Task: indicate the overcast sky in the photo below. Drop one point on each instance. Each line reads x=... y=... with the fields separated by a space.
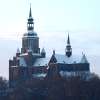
x=53 y=20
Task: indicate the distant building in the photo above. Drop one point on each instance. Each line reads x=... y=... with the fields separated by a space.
x=31 y=62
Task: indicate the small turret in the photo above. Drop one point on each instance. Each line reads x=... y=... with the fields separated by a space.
x=18 y=53
x=53 y=58
x=84 y=59
x=68 y=49
x=43 y=53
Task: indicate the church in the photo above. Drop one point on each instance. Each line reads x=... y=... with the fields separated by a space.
x=32 y=62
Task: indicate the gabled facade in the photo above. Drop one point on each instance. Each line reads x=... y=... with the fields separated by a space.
x=31 y=62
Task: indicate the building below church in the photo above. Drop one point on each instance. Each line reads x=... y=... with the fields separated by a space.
x=32 y=62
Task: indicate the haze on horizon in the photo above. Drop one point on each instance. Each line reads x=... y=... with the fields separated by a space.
x=53 y=20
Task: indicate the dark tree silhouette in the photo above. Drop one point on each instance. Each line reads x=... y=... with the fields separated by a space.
x=53 y=88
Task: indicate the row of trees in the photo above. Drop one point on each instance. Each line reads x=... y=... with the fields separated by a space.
x=54 y=88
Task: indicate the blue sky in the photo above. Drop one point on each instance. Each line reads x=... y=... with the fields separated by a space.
x=53 y=19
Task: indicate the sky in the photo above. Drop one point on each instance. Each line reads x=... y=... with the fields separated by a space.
x=53 y=20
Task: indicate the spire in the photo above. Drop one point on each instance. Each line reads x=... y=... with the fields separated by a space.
x=68 y=48
x=30 y=23
x=30 y=40
x=30 y=13
x=68 y=40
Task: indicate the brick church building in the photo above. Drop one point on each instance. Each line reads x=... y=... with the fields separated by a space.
x=32 y=62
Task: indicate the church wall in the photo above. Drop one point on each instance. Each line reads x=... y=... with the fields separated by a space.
x=21 y=73
x=74 y=67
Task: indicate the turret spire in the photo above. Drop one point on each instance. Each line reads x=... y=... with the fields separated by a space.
x=68 y=47
x=30 y=23
x=30 y=13
x=68 y=41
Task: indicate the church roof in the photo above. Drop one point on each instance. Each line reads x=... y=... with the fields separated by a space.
x=42 y=61
x=67 y=60
x=71 y=60
x=61 y=59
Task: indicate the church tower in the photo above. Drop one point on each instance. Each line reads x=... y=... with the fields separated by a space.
x=30 y=39
x=68 y=49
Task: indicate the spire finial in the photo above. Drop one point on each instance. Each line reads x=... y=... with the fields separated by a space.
x=30 y=13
